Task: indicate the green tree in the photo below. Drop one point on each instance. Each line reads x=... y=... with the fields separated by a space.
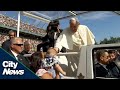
x=96 y=43
x=105 y=41
x=111 y=40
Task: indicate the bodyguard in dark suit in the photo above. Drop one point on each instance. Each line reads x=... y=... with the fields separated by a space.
x=6 y=44
x=102 y=61
x=105 y=68
x=102 y=71
x=16 y=48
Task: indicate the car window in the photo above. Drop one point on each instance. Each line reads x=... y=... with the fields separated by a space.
x=106 y=62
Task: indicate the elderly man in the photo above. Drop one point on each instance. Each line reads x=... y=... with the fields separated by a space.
x=27 y=48
x=72 y=38
x=16 y=48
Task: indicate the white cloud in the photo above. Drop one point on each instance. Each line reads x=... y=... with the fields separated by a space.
x=96 y=15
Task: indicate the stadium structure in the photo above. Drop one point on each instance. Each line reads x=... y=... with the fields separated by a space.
x=31 y=25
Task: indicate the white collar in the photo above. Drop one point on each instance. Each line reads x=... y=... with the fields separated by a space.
x=15 y=54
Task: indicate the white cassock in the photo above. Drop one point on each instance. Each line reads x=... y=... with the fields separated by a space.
x=73 y=42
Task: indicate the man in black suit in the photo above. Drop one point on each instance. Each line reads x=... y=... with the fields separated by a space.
x=103 y=59
x=105 y=68
x=6 y=44
x=16 y=48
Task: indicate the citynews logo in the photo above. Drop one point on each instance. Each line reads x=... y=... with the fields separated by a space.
x=10 y=68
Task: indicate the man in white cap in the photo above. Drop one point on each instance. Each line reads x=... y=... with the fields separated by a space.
x=73 y=38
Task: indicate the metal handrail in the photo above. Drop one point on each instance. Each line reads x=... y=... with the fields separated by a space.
x=59 y=54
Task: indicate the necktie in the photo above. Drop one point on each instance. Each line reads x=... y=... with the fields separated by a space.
x=19 y=57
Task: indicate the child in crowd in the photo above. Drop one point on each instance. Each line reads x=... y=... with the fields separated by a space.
x=50 y=62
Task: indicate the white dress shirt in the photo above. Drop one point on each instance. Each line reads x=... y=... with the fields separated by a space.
x=15 y=54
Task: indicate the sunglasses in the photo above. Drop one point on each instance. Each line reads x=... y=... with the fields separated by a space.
x=19 y=44
x=11 y=35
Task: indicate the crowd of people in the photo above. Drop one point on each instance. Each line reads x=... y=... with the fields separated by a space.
x=3 y=38
x=34 y=42
x=71 y=39
x=44 y=61
x=10 y=22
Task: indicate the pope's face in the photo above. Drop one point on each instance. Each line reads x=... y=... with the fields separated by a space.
x=73 y=26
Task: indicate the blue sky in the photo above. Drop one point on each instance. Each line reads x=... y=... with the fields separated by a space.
x=103 y=24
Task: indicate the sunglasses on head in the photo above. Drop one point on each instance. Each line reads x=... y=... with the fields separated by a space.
x=19 y=44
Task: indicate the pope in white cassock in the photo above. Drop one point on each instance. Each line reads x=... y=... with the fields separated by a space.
x=73 y=38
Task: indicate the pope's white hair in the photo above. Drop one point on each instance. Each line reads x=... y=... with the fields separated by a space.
x=74 y=19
